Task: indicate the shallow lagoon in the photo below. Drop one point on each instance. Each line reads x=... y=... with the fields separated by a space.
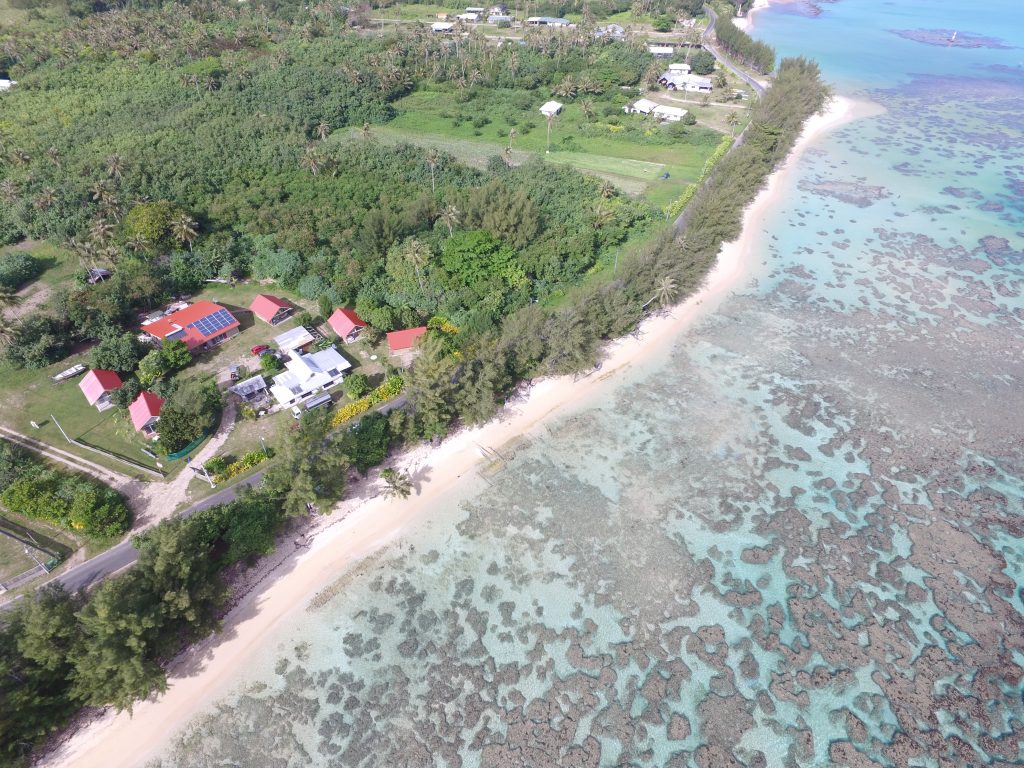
x=796 y=540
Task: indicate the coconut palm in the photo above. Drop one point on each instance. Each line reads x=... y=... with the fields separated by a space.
x=9 y=298
x=7 y=333
x=323 y=130
x=54 y=154
x=137 y=243
x=115 y=166
x=602 y=216
x=567 y=88
x=433 y=158
x=451 y=216
x=21 y=157
x=550 y=117
x=733 y=120
x=101 y=231
x=9 y=190
x=666 y=291
x=397 y=484
x=312 y=161
x=512 y=133
x=587 y=107
x=47 y=197
x=184 y=230
x=366 y=130
x=418 y=254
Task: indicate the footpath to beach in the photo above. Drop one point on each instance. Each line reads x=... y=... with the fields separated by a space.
x=120 y=740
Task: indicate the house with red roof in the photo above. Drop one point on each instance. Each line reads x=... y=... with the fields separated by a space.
x=145 y=413
x=346 y=323
x=97 y=385
x=271 y=309
x=402 y=344
x=202 y=325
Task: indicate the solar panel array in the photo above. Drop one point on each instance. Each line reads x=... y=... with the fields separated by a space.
x=209 y=325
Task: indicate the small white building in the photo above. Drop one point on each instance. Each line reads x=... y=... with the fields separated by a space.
x=669 y=114
x=677 y=81
x=611 y=31
x=442 y=26
x=294 y=339
x=547 y=21
x=307 y=375
x=472 y=18
x=6 y=85
x=551 y=108
x=679 y=68
x=640 y=107
x=661 y=51
x=500 y=18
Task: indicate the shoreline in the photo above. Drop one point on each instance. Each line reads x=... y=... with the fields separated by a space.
x=361 y=527
x=746 y=22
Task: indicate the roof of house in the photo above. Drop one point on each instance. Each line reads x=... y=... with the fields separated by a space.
x=98 y=381
x=660 y=48
x=665 y=111
x=265 y=306
x=307 y=373
x=249 y=386
x=399 y=341
x=644 y=106
x=551 y=107
x=146 y=406
x=442 y=26
x=294 y=338
x=344 y=321
x=195 y=324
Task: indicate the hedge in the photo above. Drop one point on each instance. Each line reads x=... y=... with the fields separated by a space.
x=389 y=389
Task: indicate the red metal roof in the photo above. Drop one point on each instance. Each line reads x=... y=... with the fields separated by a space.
x=344 y=321
x=184 y=320
x=146 y=406
x=265 y=306
x=399 y=341
x=98 y=381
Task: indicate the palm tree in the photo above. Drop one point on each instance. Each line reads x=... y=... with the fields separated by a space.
x=665 y=292
x=607 y=190
x=418 y=254
x=451 y=216
x=100 y=231
x=9 y=190
x=323 y=130
x=312 y=161
x=7 y=334
x=397 y=484
x=587 y=107
x=184 y=230
x=433 y=158
x=47 y=197
x=9 y=298
x=550 y=117
x=137 y=243
x=733 y=120
x=21 y=157
x=602 y=215
x=567 y=88
x=115 y=167
x=54 y=154
x=366 y=130
x=512 y=133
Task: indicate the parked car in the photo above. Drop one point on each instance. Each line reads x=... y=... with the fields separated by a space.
x=260 y=349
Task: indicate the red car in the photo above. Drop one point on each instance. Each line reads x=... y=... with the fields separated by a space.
x=260 y=349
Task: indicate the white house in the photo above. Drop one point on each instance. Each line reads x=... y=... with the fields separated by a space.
x=661 y=50
x=547 y=21
x=680 y=67
x=291 y=340
x=640 y=107
x=442 y=26
x=669 y=114
x=309 y=374
x=470 y=17
x=677 y=81
x=550 y=108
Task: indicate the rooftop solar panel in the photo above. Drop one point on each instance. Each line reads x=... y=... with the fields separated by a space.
x=212 y=323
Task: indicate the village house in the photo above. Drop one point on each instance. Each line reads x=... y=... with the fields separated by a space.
x=271 y=309
x=145 y=413
x=640 y=107
x=442 y=27
x=612 y=32
x=661 y=51
x=402 y=344
x=346 y=323
x=468 y=17
x=648 y=107
x=547 y=21
x=295 y=339
x=678 y=68
x=97 y=385
x=678 y=81
x=308 y=374
x=252 y=389
x=500 y=18
x=202 y=325
x=550 y=108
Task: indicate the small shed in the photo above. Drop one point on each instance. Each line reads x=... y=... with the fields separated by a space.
x=97 y=385
x=469 y=17
x=669 y=114
x=296 y=338
x=680 y=67
x=251 y=389
x=640 y=107
x=346 y=323
x=551 y=108
x=96 y=275
x=442 y=26
x=661 y=51
x=271 y=309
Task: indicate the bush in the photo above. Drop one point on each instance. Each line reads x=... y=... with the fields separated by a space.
x=389 y=389
x=70 y=501
x=356 y=385
x=17 y=268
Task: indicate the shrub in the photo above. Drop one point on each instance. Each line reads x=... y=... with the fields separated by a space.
x=17 y=268
x=389 y=389
x=356 y=385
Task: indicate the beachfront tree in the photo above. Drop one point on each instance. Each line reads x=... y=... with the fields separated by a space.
x=396 y=484
x=667 y=290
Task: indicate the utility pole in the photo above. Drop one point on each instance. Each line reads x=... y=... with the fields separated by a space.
x=54 y=420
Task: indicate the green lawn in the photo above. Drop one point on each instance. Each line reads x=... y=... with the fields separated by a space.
x=628 y=150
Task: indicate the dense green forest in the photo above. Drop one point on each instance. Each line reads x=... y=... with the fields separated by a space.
x=739 y=45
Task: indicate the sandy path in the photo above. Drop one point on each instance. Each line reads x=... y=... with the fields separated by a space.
x=116 y=740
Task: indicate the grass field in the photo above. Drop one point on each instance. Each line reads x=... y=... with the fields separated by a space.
x=628 y=150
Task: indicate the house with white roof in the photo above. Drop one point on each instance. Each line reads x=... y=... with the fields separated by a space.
x=550 y=108
x=661 y=51
x=640 y=107
x=669 y=114
x=306 y=375
x=294 y=339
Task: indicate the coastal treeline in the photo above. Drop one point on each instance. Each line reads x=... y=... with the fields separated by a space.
x=739 y=45
x=77 y=503
x=60 y=652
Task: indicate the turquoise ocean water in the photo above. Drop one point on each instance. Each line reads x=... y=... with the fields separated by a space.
x=793 y=540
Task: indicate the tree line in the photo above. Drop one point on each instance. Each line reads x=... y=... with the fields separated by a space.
x=738 y=44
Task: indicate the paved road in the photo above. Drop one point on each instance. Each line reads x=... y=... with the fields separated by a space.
x=124 y=554
x=757 y=85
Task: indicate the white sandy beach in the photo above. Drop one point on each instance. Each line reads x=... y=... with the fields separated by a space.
x=746 y=22
x=118 y=740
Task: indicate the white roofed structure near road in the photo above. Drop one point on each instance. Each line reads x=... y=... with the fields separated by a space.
x=442 y=26
x=547 y=21
x=680 y=67
x=293 y=339
x=671 y=114
x=471 y=17
x=661 y=50
x=550 y=108
x=641 y=107
x=309 y=374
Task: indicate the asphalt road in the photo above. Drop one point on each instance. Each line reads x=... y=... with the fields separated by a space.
x=724 y=61
x=124 y=554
